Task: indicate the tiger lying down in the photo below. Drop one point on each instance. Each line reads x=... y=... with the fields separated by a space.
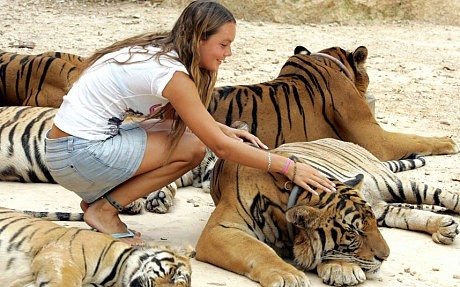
x=43 y=253
x=335 y=233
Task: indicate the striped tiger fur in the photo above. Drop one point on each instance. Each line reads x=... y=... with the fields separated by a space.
x=36 y=80
x=312 y=98
x=22 y=135
x=43 y=253
x=388 y=194
x=336 y=232
x=247 y=233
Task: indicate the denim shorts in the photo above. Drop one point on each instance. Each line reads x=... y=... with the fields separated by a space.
x=91 y=168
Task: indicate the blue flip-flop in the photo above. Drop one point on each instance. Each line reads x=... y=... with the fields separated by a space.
x=128 y=234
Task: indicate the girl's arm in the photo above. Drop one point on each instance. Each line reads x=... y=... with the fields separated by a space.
x=183 y=95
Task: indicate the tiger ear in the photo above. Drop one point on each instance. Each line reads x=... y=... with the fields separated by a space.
x=306 y=216
x=356 y=182
x=360 y=55
x=188 y=251
x=301 y=50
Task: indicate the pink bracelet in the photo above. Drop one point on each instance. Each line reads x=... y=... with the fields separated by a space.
x=286 y=166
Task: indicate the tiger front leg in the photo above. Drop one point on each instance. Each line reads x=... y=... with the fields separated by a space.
x=443 y=228
x=398 y=145
x=357 y=125
x=235 y=250
x=182 y=276
x=338 y=273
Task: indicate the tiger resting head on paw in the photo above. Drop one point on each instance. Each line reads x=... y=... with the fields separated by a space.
x=354 y=242
x=247 y=233
x=40 y=252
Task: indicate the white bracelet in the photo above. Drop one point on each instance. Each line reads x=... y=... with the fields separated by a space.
x=269 y=161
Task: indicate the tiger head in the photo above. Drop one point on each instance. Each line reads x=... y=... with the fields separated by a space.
x=354 y=62
x=154 y=265
x=337 y=226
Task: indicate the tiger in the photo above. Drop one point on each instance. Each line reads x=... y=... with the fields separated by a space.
x=37 y=80
x=43 y=253
x=313 y=98
x=260 y=218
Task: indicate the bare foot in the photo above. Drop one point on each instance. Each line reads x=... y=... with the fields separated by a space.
x=103 y=217
x=84 y=206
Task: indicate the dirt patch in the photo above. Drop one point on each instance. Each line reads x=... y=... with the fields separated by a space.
x=344 y=11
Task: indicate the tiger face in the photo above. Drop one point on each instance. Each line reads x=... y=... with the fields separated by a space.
x=338 y=231
x=248 y=232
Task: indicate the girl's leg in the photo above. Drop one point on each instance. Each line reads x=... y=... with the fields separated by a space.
x=152 y=174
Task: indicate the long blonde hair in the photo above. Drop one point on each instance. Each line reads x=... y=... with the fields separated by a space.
x=199 y=20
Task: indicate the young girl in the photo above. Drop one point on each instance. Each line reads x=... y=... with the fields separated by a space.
x=169 y=77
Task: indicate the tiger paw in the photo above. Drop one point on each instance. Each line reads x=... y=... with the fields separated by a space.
x=279 y=278
x=444 y=145
x=134 y=207
x=182 y=276
x=338 y=273
x=161 y=200
x=448 y=230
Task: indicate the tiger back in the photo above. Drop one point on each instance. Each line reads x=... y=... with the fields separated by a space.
x=43 y=253
x=37 y=80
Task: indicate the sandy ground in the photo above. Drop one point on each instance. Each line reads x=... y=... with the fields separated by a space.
x=414 y=71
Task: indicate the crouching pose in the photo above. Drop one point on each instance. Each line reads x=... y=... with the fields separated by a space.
x=170 y=78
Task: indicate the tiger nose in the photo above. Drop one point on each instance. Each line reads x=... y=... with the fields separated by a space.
x=382 y=253
x=381 y=258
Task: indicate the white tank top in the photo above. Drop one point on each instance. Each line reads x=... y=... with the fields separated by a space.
x=106 y=92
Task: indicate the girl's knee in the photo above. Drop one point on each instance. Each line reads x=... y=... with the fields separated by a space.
x=198 y=151
x=192 y=150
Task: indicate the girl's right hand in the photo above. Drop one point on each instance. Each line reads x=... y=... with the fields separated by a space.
x=307 y=177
